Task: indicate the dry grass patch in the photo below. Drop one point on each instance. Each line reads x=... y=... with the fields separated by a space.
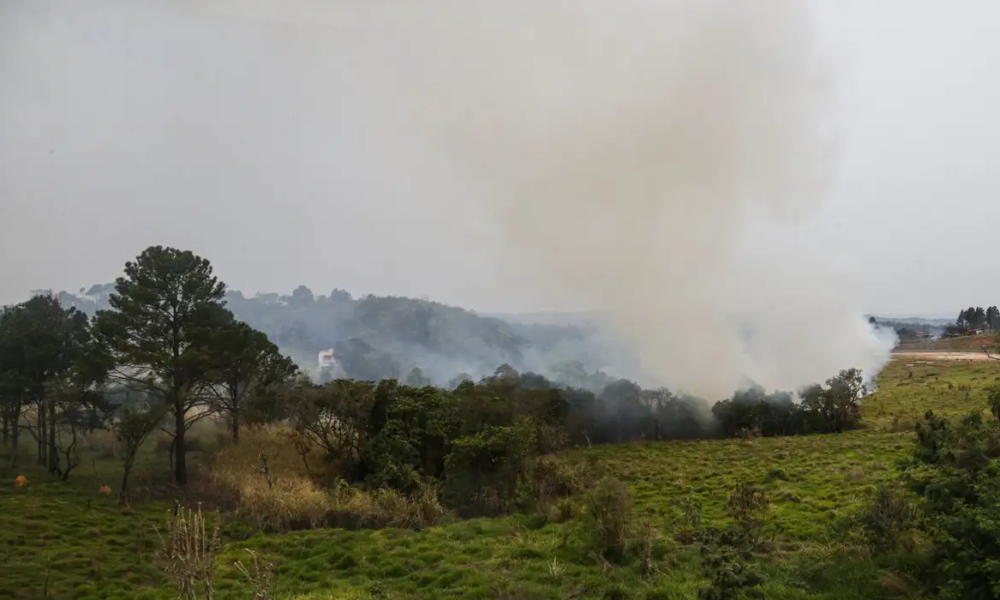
x=269 y=480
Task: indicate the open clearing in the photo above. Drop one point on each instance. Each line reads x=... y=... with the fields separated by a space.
x=61 y=540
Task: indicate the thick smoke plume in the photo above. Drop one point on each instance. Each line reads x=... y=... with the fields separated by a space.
x=655 y=161
x=658 y=161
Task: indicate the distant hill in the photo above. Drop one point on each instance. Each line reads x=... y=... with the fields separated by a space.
x=375 y=337
x=935 y=322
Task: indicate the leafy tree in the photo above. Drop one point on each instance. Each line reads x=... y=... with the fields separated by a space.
x=978 y=319
x=77 y=410
x=42 y=346
x=336 y=416
x=13 y=383
x=245 y=364
x=483 y=470
x=836 y=408
x=411 y=436
x=132 y=428
x=159 y=333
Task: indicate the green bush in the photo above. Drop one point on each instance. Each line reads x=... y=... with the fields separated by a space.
x=886 y=517
x=610 y=510
x=956 y=471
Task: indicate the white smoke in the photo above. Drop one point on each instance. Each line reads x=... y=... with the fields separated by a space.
x=655 y=160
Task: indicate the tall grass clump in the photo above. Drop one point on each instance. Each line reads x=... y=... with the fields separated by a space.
x=611 y=513
x=188 y=552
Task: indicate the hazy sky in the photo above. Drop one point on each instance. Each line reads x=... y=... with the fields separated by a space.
x=266 y=145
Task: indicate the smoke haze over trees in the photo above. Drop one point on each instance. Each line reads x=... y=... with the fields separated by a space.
x=650 y=176
x=164 y=333
x=387 y=337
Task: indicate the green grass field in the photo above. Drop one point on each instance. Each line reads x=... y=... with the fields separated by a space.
x=61 y=540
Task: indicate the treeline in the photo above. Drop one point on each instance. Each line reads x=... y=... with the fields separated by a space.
x=168 y=352
x=975 y=318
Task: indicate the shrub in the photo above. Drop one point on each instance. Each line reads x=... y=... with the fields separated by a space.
x=610 y=510
x=483 y=471
x=728 y=555
x=550 y=480
x=886 y=516
x=993 y=398
x=955 y=470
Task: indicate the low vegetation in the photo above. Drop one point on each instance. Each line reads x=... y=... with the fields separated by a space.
x=163 y=449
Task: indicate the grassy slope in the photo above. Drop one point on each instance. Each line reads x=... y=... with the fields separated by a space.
x=970 y=343
x=84 y=548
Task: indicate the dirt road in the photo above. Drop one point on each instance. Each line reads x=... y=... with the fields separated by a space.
x=941 y=356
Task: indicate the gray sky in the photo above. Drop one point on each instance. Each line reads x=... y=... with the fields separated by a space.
x=266 y=146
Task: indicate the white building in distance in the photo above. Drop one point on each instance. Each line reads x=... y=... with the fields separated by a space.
x=326 y=359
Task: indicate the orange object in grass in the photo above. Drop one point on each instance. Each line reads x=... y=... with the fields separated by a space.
x=104 y=491
x=20 y=481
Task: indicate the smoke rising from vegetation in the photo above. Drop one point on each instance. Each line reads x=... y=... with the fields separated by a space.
x=650 y=160
x=653 y=161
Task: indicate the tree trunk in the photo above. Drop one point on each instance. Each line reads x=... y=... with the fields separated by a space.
x=42 y=458
x=170 y=455
x=180 y=460
x=15 y=445
x=51 y=436
x=123 y=489
x=236 y=426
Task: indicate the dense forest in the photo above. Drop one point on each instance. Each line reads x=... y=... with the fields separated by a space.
x=376 y=338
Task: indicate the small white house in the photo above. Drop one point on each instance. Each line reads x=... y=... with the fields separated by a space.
x=326 y=359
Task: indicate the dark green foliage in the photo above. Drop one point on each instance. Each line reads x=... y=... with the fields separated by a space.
x=729 y=554
x=831 y=409
x=975 y=317
x=337 y=417
x=48 y=363
x=993 y=398
x=956 y=472
x=168 y=337
x=412 y=430
x=132 y=428
x=159 y=332
x=244 y=364
x=887 y=516
x=483 y=470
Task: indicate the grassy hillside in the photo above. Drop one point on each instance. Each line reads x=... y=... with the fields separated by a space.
x=62 y=540
x=969 y=343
